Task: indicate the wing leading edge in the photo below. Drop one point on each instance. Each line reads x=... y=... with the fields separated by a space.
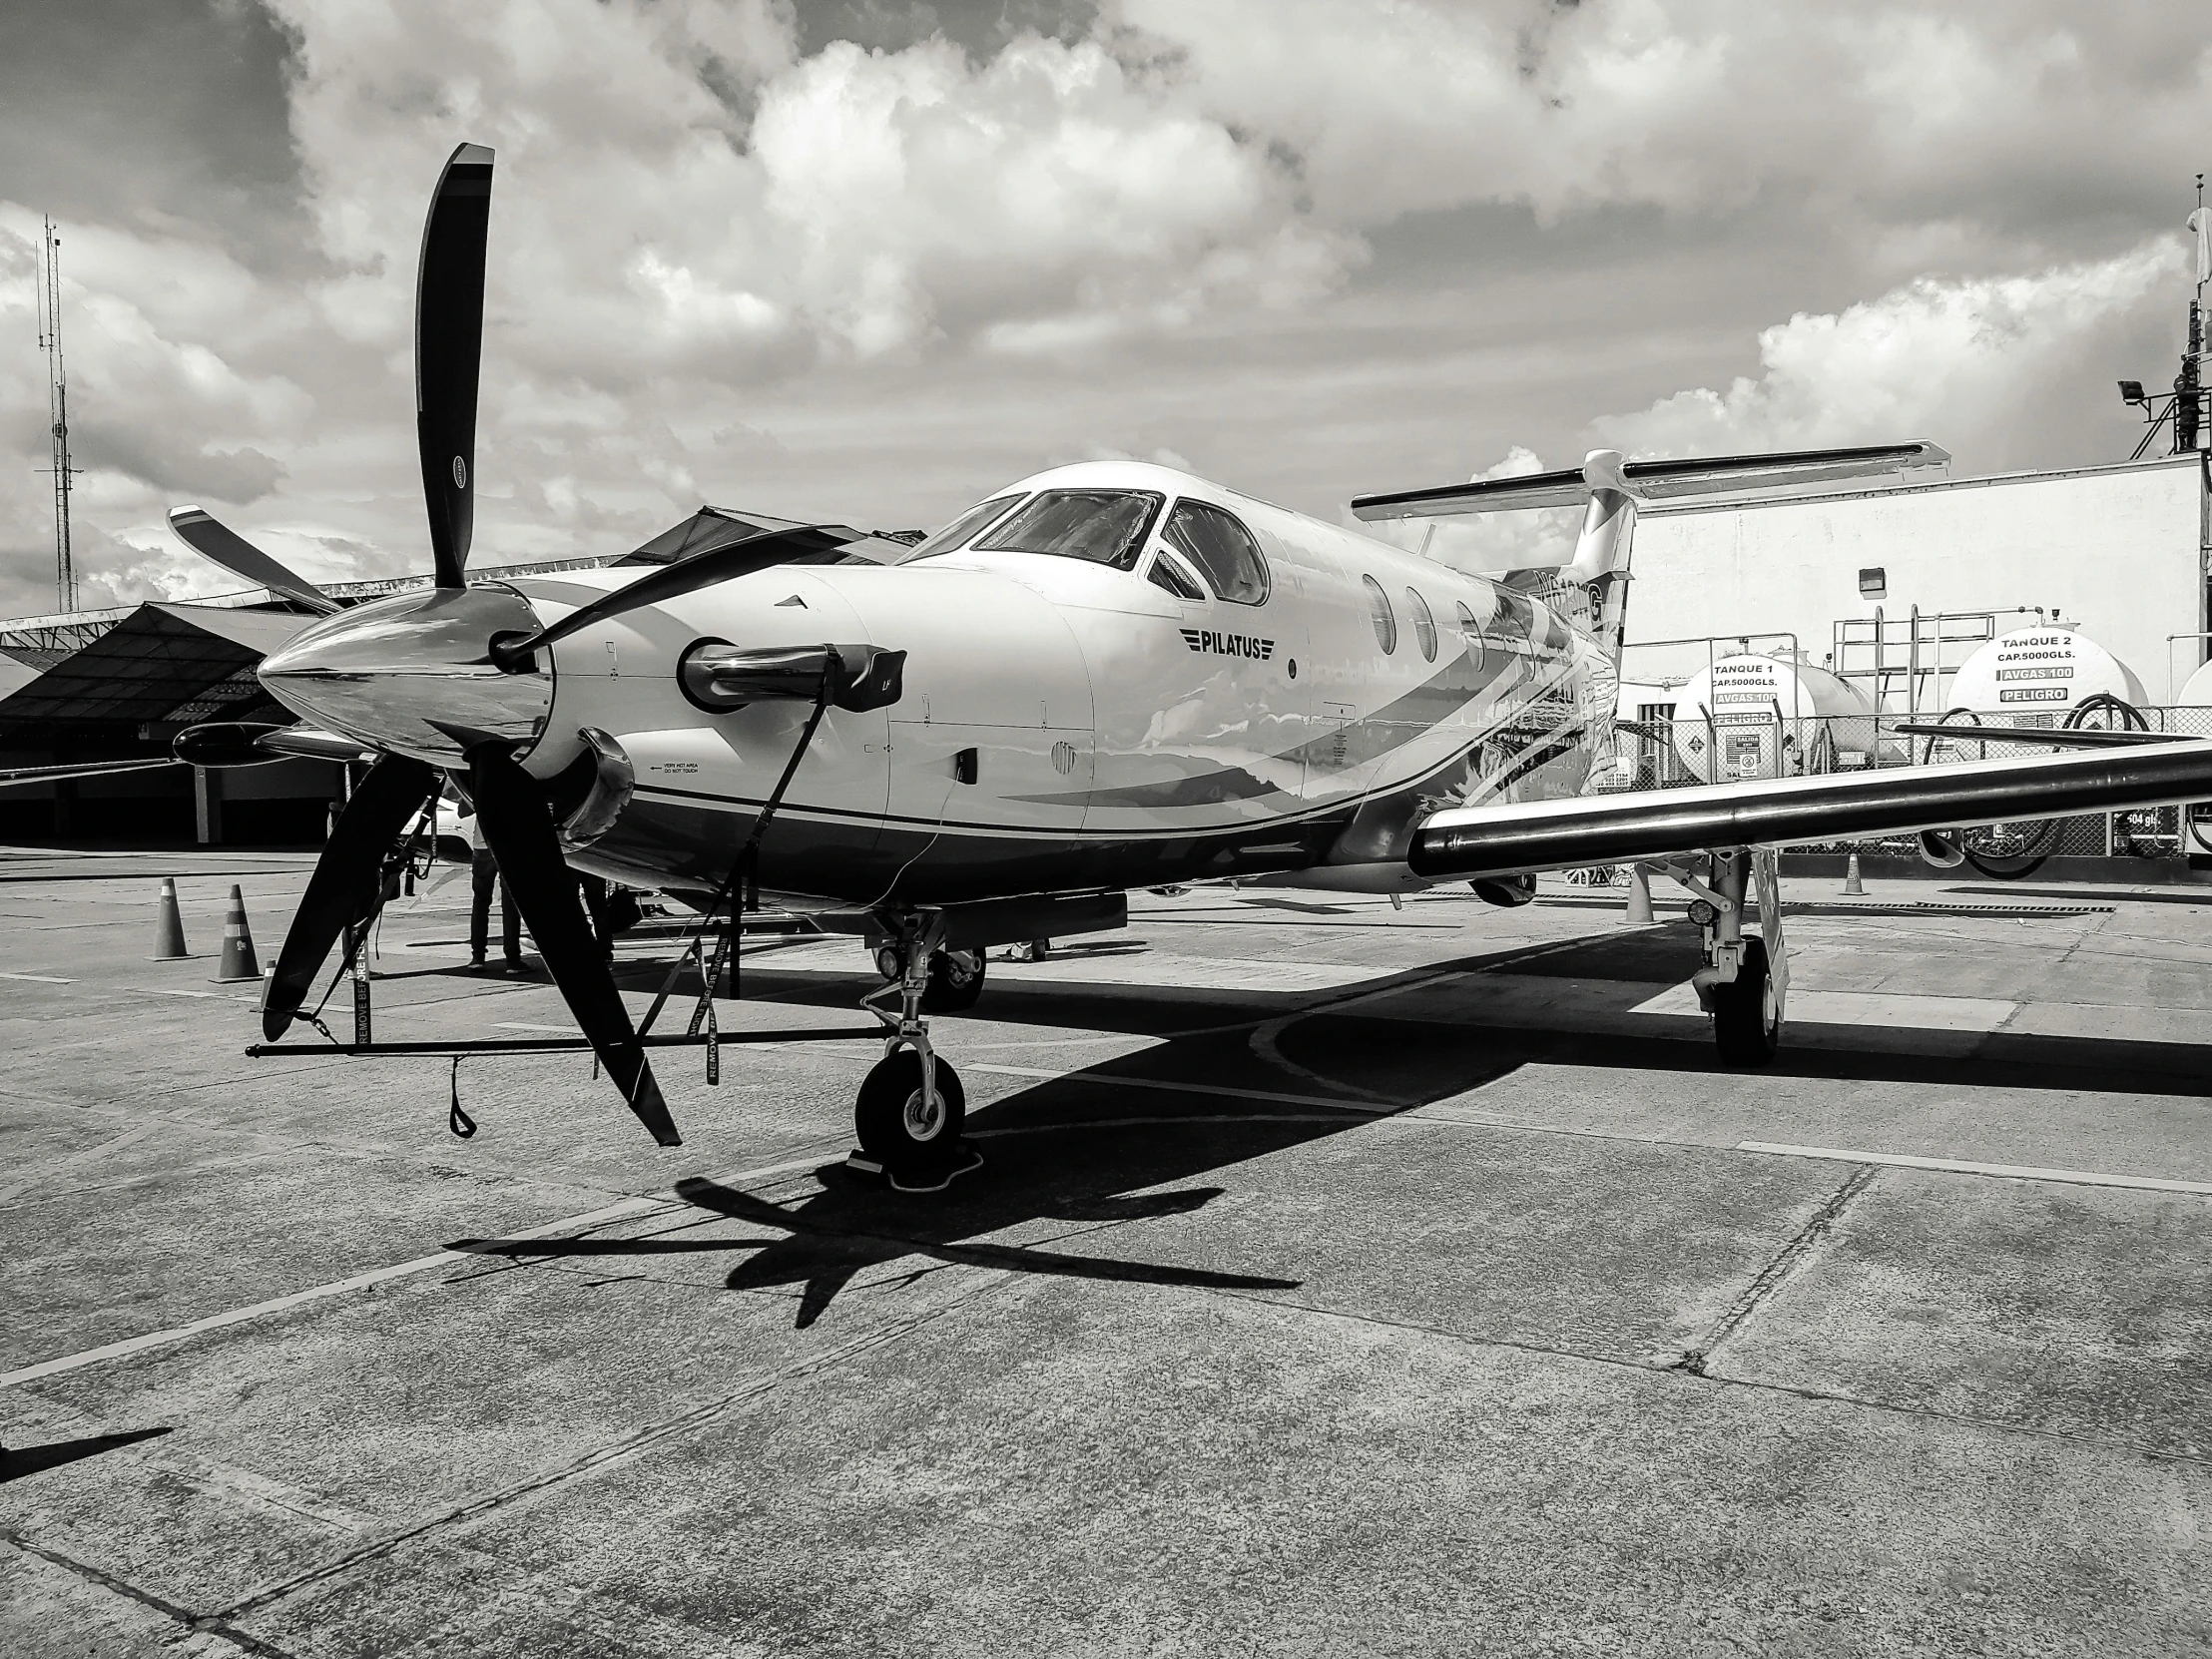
x=1650 y=824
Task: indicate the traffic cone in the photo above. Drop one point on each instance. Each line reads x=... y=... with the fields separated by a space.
x=1639 y=898
x=169 y=926
x=237 y=964
x=1853 y=886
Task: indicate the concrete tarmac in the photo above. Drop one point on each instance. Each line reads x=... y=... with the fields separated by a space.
x=1343 y=1280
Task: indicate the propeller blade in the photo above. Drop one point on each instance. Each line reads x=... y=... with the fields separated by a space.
x=511 y=806
x=800 y=544
x=214 y=540
x=342 y=889
x=449 y=341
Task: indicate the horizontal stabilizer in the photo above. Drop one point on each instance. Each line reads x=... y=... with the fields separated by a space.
x=1651 y=482
x=1652 y=823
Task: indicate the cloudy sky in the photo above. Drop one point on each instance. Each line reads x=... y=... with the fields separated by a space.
x=865 y=260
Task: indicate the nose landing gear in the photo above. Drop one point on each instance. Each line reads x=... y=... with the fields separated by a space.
x=911 y=1107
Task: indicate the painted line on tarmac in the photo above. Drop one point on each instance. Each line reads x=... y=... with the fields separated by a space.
x=375 y=1276
x=39 y=979
x=1360 y=1107
x=1964 y=1166
x=210 y=996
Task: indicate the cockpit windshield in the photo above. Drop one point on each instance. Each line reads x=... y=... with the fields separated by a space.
x=1106 y=527
x=967 y=524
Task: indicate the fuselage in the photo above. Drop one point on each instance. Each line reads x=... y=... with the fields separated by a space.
x=1069 y=724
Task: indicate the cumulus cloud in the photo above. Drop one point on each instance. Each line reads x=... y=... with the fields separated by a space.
x=1948 y=358
x=738 y=257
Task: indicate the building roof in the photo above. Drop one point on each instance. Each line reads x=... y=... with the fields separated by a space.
x=161 y=663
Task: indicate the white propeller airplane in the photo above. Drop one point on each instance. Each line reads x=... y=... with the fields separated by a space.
x=1104 y=676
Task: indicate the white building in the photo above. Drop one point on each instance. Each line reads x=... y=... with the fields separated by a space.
x=2119 y=552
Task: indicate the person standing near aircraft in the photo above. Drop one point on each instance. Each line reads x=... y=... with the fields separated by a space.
x=484 y=876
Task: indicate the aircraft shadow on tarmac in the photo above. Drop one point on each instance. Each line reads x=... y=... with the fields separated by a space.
x=16 y=1462
x=1082 y=1153
x=829 y=1238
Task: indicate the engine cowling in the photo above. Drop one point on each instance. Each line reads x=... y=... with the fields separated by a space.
x=1508 y=893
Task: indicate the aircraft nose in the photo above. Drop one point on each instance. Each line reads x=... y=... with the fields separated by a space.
x=414 y=672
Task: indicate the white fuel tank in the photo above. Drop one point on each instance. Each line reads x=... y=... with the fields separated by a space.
x=2041 y=671
x=2196 y=693
x=1754 y=716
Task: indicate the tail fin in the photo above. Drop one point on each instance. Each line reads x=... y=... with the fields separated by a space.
x=1591 y=591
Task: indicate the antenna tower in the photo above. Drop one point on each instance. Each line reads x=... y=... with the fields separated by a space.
x=57 y=408
x=2188 y=411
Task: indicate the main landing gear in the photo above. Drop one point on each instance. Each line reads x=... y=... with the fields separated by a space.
x=1744 y=982
x=911 y=1107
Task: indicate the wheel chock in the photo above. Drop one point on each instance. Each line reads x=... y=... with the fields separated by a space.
x=921 y=1175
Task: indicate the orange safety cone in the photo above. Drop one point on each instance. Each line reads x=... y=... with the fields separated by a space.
x=169 y=926
x=237 y=964
x=1639 y=898
x=1853 y=886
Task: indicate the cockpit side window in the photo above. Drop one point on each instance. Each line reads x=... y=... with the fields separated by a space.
x=969 y=523
x=1166 y=572
x=1106 y=527
x=1222 y=548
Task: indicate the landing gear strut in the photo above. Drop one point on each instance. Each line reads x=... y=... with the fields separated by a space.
x=912 y=1106
x=955 y=978
x=1744 y=982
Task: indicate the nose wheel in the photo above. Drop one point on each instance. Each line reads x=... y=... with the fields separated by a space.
x=911 y=1108
x=898 y=1121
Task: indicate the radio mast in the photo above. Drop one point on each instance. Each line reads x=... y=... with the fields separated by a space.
x=57 y=408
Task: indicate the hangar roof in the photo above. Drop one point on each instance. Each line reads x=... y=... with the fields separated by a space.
x=161 y=663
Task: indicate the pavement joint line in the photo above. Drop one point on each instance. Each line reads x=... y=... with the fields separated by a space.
x=1968 y=1166
x=629 y=1445
x=202 y=1624
x=1794 y=1256
x=361 y=1281
x=1672 y=1366
x=32 y=1178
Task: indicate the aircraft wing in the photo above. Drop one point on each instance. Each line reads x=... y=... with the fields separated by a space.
x=1650 y=824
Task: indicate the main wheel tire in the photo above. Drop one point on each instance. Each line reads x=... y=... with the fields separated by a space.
x=1746 y=1015
x=955 y=981
x=894 y=1126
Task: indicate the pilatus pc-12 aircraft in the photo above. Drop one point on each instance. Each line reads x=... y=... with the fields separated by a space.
x=1104 y=676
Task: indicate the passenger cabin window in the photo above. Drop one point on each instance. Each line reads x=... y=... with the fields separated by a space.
x=1470 y=632
x=1385 y=624
x=969 y=523
x=1223 y=549
x=1106 y=527
x=1424 y=625
x=1166 y=572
